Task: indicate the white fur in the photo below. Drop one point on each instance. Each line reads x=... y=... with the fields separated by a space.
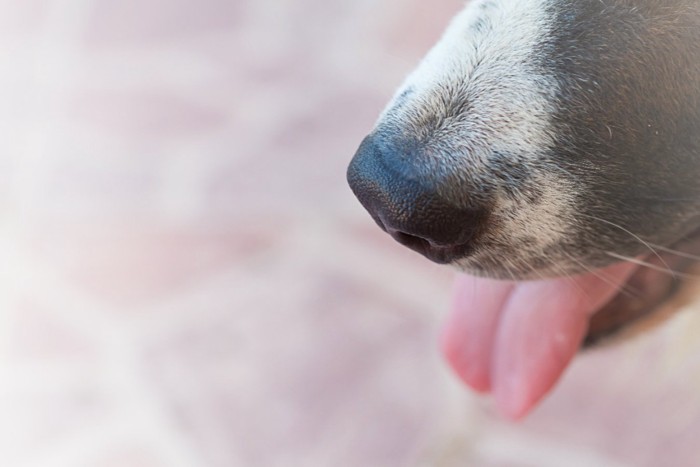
x=544 y=221
x=510 y=103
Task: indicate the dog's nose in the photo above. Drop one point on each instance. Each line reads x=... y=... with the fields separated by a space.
x=407 y=207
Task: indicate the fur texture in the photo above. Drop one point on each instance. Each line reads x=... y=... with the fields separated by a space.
x=577 y=123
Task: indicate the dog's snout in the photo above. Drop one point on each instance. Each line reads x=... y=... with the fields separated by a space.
x=407 y=206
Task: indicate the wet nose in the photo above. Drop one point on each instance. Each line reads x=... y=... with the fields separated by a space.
x=407 y=207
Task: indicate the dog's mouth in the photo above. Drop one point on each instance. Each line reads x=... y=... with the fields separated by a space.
x=515 y=339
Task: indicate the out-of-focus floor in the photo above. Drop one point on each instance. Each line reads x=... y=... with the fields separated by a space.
x=186 y=280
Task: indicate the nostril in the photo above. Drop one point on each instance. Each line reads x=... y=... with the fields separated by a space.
x=411 y=241
x=436 y=252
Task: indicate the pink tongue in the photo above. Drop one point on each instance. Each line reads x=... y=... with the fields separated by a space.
x=516 y=339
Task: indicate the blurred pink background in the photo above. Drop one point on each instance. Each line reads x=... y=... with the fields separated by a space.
x=188 y=282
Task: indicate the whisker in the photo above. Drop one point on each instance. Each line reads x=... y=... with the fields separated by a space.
x=637 y=237
x=622 y=288
x=675 y=274
x=676 y=252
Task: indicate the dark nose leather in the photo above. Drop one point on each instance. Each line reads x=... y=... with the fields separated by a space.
x=408 y=208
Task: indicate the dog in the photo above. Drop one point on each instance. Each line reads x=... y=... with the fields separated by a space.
x=550 y=149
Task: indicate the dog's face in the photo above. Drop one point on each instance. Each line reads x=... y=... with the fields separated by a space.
x=543 y=138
